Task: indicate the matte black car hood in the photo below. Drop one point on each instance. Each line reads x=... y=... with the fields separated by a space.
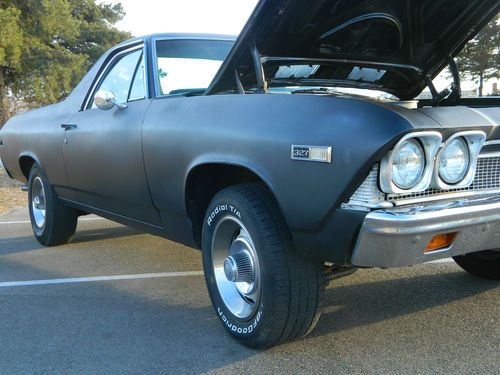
x=391 y=45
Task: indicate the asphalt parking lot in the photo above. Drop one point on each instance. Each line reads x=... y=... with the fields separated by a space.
x=119 y=301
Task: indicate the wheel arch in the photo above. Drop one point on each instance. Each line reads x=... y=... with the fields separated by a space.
x=206 y=179
x=26 y=162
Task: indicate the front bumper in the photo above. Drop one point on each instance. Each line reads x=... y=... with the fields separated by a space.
x=399 y=237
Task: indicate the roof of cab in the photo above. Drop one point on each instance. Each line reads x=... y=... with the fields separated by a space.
x=195 y=36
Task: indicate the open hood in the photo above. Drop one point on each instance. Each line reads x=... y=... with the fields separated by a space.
x=390 y=45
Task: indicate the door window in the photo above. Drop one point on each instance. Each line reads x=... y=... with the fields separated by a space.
x=138 y=89
x=127 y=69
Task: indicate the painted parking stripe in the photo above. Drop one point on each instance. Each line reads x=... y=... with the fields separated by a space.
x=73 y=280
x=28 y=222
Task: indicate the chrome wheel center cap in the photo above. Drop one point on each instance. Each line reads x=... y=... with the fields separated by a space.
x=239 y=268
x=230 y=269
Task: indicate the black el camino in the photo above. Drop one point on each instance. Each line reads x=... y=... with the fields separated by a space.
x=291 y=155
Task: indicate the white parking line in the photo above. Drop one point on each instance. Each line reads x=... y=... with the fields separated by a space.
x=8 y=284
x=28 y=222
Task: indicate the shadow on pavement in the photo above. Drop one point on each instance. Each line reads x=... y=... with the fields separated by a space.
x=356 y=305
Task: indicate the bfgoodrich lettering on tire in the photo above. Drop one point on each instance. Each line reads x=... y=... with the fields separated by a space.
x=262 y=291
x=53 y=223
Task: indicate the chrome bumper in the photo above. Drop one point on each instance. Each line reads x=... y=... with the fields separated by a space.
x=399 y=237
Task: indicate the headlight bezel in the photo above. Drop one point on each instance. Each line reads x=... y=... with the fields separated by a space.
x=430 y=142
x=474 y=140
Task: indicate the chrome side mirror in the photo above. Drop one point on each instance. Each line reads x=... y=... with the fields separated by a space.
x=106 y=100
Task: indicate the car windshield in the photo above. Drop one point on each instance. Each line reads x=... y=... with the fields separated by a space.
x=188 y=65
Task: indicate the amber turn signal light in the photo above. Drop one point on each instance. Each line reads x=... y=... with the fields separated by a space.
x=440 y=241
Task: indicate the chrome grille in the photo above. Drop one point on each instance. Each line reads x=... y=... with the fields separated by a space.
x=487 y=178
x=494 y=147
x=368 y=196
x=368 y=191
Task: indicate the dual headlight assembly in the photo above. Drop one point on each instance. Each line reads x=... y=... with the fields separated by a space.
x=420 y=160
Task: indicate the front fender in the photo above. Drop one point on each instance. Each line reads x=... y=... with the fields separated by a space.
x=257 y=131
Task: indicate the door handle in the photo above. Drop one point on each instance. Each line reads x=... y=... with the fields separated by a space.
x=68 y=126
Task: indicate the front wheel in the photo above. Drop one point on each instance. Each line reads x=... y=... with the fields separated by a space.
x=484 y=264
x=52 y=221
x=263 y=292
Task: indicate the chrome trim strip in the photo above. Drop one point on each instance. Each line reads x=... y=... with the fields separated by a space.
x=490 y=143
x=489 y=155
x=399 y=237
x=446 y=196
x=145 y=53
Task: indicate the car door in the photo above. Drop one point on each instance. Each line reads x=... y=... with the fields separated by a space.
x=102 y=148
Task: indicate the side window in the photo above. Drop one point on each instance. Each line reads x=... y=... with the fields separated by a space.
x=120 y=77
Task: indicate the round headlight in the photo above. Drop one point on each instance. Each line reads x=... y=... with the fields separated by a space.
x=408 y=164
x=454 y=161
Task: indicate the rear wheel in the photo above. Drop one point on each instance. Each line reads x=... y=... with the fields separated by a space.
x=52 y=221
x=484 y=264
x=263 y=292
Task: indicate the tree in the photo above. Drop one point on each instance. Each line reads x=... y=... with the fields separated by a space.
x=46 y=46
x=480 y=58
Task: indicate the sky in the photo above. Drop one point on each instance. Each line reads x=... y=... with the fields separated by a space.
x=198 y=16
